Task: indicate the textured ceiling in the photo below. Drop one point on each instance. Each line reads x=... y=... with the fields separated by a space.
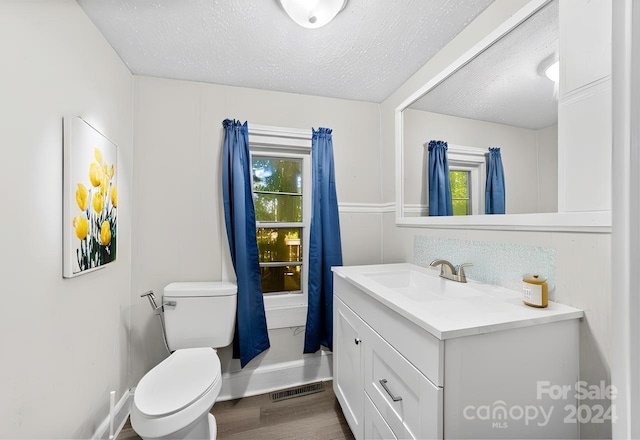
x=503 y=84
x=369 y=50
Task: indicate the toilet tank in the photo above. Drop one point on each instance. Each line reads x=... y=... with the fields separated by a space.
x=204 y=314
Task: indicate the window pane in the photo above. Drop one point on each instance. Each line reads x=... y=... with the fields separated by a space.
x=277 y=208
x=277 y=175
x=460 y=207
x=459 y=184
x=281 y=279
x=279 y=244
x=460 y=192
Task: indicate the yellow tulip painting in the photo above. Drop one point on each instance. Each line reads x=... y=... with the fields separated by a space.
x=91 y=198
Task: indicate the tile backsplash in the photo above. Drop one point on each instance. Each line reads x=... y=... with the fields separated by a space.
x=501 y=264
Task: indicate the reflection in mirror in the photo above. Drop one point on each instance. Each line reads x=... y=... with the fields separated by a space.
x=501 y=98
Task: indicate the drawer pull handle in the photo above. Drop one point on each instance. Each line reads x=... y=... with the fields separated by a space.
x=383 y=382
x=357 y=341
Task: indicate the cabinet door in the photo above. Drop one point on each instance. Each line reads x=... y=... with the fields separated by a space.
x=409 y=403
x=375 y=428
x=347 y=365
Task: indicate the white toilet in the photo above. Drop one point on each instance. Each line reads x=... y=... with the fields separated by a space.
x=172 y=401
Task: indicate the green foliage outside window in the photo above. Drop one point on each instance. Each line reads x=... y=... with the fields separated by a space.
x=460 y=192
x=277 y=189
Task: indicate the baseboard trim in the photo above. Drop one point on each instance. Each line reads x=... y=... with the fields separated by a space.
x=122 y=411
x=275 y=377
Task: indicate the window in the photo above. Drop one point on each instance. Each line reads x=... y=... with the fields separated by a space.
x=460 y=192
x=281 y=191
x=467 y=171
x=281 y=173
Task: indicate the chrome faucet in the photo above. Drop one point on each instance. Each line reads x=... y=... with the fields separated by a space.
x=450 y=272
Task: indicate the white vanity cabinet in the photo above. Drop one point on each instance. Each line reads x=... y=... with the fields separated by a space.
x=395 y=378
x=378 y=388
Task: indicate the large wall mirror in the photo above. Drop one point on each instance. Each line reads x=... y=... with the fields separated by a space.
x=496 y=95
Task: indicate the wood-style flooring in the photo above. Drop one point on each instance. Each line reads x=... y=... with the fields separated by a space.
x=315 y=416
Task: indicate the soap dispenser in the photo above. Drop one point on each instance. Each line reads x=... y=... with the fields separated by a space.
x=535 y=292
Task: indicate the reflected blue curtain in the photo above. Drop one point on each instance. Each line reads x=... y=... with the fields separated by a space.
x=494 y=200
x=439 y=185
x=251 y=336
x=325 y=249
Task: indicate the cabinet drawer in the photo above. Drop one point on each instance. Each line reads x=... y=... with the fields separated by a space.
x=421 y=348
x=409 y=403
x=375 y=428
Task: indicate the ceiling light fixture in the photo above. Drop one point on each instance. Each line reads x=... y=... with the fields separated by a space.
x=550 y=68
x=312 y=14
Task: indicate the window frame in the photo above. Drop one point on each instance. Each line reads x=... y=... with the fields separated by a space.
x=287 y=309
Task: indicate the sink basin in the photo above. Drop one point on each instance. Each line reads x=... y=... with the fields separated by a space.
x=399 y=278
x=423 y=286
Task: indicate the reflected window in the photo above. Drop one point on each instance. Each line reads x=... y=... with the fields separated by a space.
x=467 y=176
x=460 y=192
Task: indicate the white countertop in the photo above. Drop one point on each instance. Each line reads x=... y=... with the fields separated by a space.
x=448 y=309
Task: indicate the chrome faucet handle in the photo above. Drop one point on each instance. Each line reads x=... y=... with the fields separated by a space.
x=460 y=271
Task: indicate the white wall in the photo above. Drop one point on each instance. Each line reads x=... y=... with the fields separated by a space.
x=626 y=217
x=585 y=136
x=179 y=221
x=64 y=341
x=583 y=260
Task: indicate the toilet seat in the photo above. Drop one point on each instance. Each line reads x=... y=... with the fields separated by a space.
x=176 y=392
x=177 y=382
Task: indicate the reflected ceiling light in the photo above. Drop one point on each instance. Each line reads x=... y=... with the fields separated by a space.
x=553 y=72
x=550 y=68
x=312 y=14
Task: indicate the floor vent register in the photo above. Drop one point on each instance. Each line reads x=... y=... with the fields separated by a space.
x=302 y=390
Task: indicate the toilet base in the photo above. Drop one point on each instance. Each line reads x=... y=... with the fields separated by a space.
x=203 y=428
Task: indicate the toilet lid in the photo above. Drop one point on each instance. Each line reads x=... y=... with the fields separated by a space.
x=178 y=381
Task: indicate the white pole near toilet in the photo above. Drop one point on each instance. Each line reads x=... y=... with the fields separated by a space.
x=112 y=404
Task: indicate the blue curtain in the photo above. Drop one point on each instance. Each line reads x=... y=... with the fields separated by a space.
x=440 y=202
x=251 y=336
x=494 y=194
x=325 y=249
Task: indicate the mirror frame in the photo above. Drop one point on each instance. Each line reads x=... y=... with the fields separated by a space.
x=593 y=221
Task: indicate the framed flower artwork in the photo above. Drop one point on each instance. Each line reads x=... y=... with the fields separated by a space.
x=90 y=198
